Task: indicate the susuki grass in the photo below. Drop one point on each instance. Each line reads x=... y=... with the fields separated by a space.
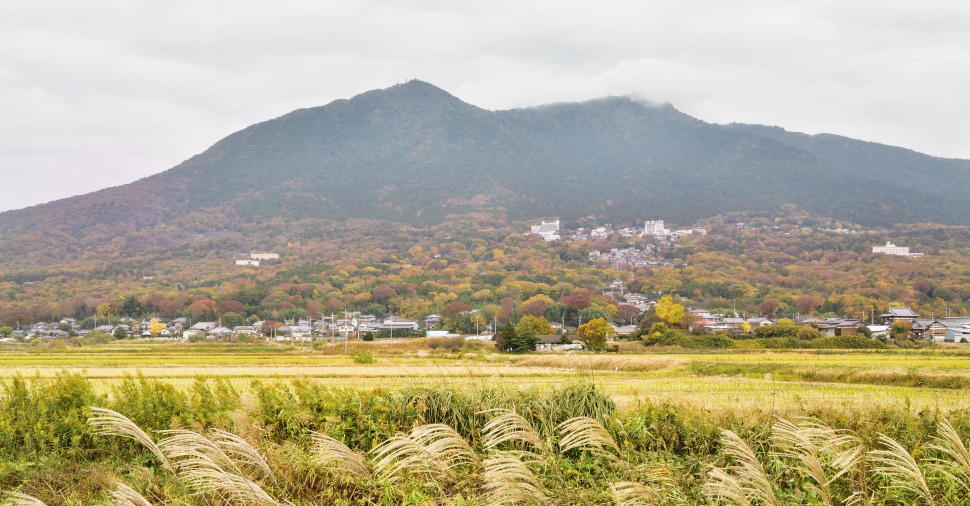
x=306 y=443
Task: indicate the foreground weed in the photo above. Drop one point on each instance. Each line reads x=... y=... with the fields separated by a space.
x=900 y=468
x=743 y=482
x=587 y=434
x=111 y=423
x=507 y=426
x=508 y=480
x=19 y=499
x=123 y=495
x=333 y=454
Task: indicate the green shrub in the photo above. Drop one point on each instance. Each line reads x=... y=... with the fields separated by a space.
x=364 y=357
x=787 y=330
x=846 y=342
x=705 y=341
x=45 y=416
x=780 y=343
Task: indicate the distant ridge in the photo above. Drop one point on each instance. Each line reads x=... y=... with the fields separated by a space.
x=413 y=153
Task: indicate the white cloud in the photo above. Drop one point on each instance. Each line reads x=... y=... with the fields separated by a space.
x=101 y=92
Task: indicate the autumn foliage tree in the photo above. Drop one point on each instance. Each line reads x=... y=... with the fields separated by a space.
x=669 y=311
x=595 y=333
x=769 y=307
x=454 y=308
x=808 y=303
x=534 y=326
x=627 y=313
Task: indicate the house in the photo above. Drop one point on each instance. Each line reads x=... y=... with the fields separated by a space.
x=397 y=323
x=432 y=321
x=245 y=330
x=269 y=257
x=811 y=321
x=203 y=326
x=932 y=330
x=733 y=324
x=295 y=332
x=555 y=343
x=833 y=327
x=220 y=332
x=957 y=329
x=247 y=262
x=702 y=318
x=878 y=331
x=959 y=334
x=895 y=314
x=193 y=334
x=758 y=322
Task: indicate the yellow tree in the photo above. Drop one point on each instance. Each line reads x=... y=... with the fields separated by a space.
x=670 y=311
x=534 y=325
x=104 y=310
x=155 y=326
x=594 y=333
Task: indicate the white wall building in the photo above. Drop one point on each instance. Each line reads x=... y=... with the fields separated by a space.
x=246 y=261
x=689 y=231
x=655 y=228
x=548 y=230
x=265 y=256
x=892 y=249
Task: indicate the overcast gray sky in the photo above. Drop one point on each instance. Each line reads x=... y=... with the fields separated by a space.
x=97 y=93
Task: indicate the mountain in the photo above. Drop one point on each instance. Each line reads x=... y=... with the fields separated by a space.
x=415 y=154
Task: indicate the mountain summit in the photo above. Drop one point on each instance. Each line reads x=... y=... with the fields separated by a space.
x=415 y=153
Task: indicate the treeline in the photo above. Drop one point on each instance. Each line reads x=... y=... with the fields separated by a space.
x=770 y=268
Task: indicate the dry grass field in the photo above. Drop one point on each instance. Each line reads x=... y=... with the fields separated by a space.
x=763 y=380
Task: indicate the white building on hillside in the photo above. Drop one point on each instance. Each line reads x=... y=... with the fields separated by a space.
x=548 y=230
x=892 y=249
x=265 y=256
x=655 y=228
